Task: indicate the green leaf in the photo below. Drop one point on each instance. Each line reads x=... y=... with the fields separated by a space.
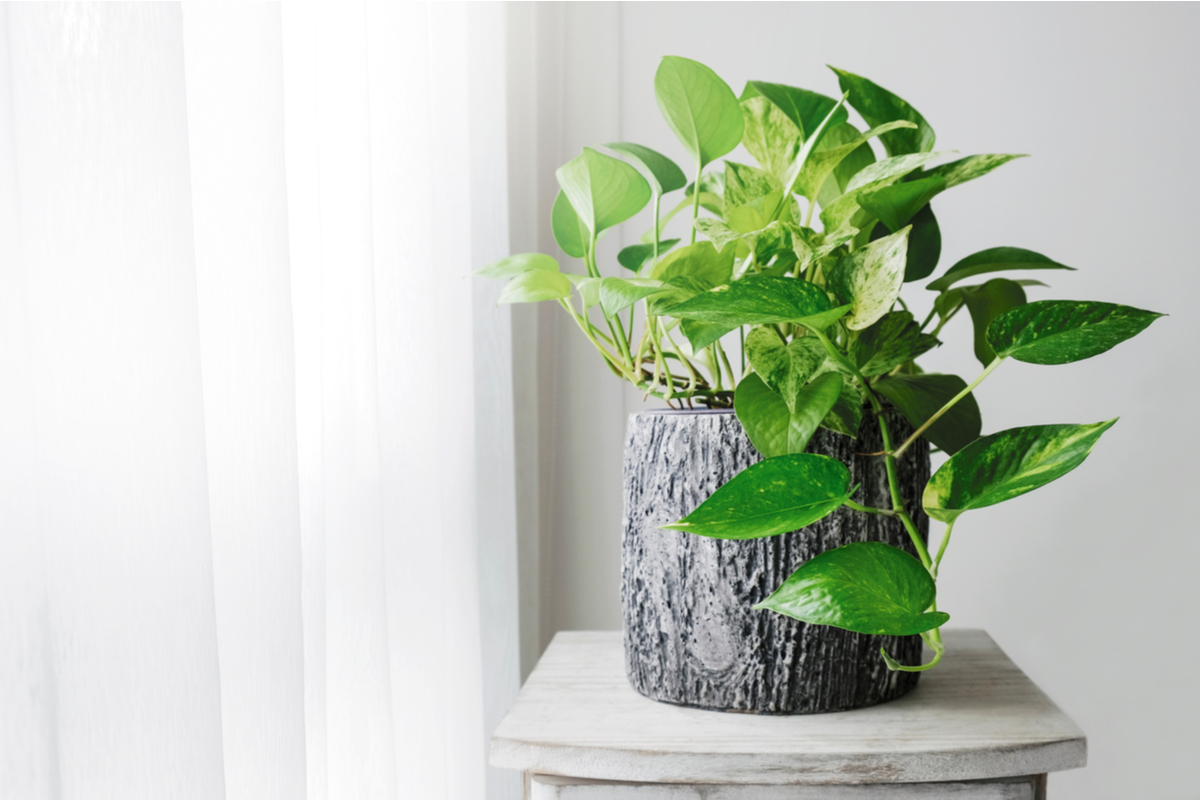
x=805 y=109
x=924 y=245
x=588 y=288
x=699 y=107
x=878 y=106
x=919 y=397
x=604 y=191
x=675 y=291
x=839 y=213
x=859 y=159
x=971 y=167
x=618 y=294
x=1007 y=464
x=515 y=265
x=897 y=204
x=701 y=334
x=775 y=496
x=769 y=136
x=774 y=430
x=755 y=215
x=569 y=231
x=665 y=174
x=1062 y=331
x=534 y=286
x=865 y=587
x=894 y=340
x=637 y=256
x=870 y=279
x=756 y=300
x=834 y=149
x=987 y=302
x=846 y=415
x=785 y=368
x=718 y=232
x=822 y=320
x=700 y=260
x=995 y=259
x=745 y=184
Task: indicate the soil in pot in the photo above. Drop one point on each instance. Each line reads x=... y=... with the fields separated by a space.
x=691 y=636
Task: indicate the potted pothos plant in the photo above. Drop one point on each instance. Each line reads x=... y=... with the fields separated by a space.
x=782 y=299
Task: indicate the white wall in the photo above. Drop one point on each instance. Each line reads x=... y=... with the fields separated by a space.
x=1090 y=583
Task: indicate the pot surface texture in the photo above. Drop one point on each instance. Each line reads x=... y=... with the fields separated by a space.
x=691 y=637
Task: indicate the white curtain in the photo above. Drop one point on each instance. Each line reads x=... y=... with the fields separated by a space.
x=252 y=406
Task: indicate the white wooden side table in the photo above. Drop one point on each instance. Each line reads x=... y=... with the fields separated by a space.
x=976 y=728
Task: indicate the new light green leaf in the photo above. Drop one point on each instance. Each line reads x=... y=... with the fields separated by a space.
x=995 y=259
x=720 y=234
x=1062 y=331
x=756 y=300
x=745 y=184
x=805 y=109
x=774 y=428
x=674 y=291
x=878 y=106
x=588 y=288
x=618 y=294
x=700 y=260
x=604 y=191
x=865 y=587
x=569 y=231
x=637 y=256
x=870 y=279
x=775 y=496
x=769 y=136
x=665 y=174
x=986 y=303
x=534 y=286
x=919 y=397
x=1008 y=464
x=699 y=107
x=785 y=368
x=515 y=265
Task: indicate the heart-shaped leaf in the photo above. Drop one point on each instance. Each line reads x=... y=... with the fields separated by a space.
x=637 y=256
x=618 y=294
x=878 y=106
x=515 y=265
x=700 y=260
x=865 y=587
x=534 y=286
x=604 y=191
x=665 y=174
x=699 y=107
x=569 y=231
x=986 y=303
x=701 y=334
x=756 y=300
x=773 y=428
x=894 y=340
x=771 y=497
x=995 y=259
x=920 y=396
x=870 y=279
x=1007 y=464
x=1062 y=331
x=784 y=367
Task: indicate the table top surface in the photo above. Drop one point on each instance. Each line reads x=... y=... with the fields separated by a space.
x=975 y=716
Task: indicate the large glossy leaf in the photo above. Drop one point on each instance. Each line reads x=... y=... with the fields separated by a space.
x=919 y=397
x=878 y=106
x=775 y=496
x=700 y=260
x=1062 y=331
x=675 y=291
x=618 y=294
x=664 y=174
x=637 y=256
x=924 y=244
x=701 y=334
x=756 y=300
x=838 y=144
x=805 y=109
x=699 y=107
x=784 y=367
x=897 y=204
x=534 y=286
x=1008 y=464
x=515 y=265
x=971 y=167
x=865 y=587
x=569 y=231
x=995 y=259
x=745 y=184
x=870 y=279
x=986 y=302
x=773 y=428
x=604 y=191
x=769 y=136
x=894 y=340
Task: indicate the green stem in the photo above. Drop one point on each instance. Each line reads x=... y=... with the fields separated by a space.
x=612 y=360
x=657 y=228
x=908 y=442
x=934 y=640
x=728 y=367
x=929 y=319
x=887 y=512
x=937 y=560
x=683 y=360
x=696 y=201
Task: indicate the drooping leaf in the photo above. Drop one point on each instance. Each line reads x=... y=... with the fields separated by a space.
x=919 y=397
x=972 y=167
x=865 y=587
x=618 y=294
x=701 y=334
x=604 y=191
x=837 y=145
x=805 y=109
x=1062 y=331
x=588 y=288
x=756 y=300
x=995 y=259
x=534 y=286
x=897 y=204
x=1007 y=464
x=894 y=340
x=769 y=136
x=775 y=496
x=773 y=428
x=700 y=260
x=846 y=415
x=870 y=278
x=665 y=174
x=720 y=234
x=699 y=107
x=637 y=256
x=515 y=265
x=785 y=368
x=569 y=231
x=878 y=106
x=745 y=184
x=986 y=302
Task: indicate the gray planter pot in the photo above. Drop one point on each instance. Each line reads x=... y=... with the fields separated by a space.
x=691 y=637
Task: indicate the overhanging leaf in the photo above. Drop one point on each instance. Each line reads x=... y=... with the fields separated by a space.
x=756 y=300
x=604 y=191
x=919 y=397
x=701 y=334
x=675 y=291
x=995 y=259
x=534 y=286
x=569 y=231
x=870 y=279
x=773 y=428
x=515 y=265
x=618 y=294
x=972 y=167
x=699 y=107
x=665 y=174
x=878 y=106
x=1062 y=331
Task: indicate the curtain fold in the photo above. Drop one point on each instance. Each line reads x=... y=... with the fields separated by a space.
x=257 y=530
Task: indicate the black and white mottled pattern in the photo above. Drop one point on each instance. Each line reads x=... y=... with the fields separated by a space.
x=691 y=637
